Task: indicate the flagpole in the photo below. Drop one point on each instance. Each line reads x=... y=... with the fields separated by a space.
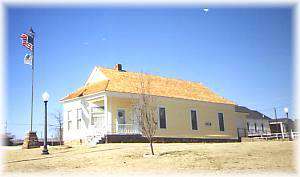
x=31 y=139
x=32 y=80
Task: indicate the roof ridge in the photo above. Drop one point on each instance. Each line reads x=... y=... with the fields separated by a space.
x=164 y=77
x=165 y=86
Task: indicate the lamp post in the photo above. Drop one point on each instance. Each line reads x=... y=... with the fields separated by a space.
x=286 y=110
x=45 y=99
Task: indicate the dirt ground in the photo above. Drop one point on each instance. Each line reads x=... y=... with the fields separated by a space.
x=174 y=157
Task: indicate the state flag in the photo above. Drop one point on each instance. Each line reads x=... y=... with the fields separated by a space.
x=28 y=59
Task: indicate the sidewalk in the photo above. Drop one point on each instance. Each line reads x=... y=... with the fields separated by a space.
x=7 y=148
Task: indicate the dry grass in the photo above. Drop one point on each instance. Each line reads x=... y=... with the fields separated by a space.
x=177 y=157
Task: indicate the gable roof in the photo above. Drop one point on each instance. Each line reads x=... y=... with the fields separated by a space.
x=253 y=114
x=284 y=120
x=128 y=82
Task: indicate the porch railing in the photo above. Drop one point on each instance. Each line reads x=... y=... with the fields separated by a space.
x=98 y=120
x=127 y=129
x=267 y=134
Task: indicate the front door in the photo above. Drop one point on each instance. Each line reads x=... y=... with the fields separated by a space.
x=121 y=120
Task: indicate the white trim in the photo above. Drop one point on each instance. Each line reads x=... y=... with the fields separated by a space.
x=281 y=129
x=69 y=119
x=68 y=115
x=77 y=118
x=105 y=112
x=91 y=75
x=117 y=116
x=118 y=109
x=219 y=122
x=191 y=122
x=158 y=117
x=110 y=117
x=91 y=113
x=135 y=95
x=87 y=97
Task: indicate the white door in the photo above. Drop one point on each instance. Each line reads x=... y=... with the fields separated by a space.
x=121 y=121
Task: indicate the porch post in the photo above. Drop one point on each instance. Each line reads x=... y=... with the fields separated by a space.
x=108 y=114
x=281 y=129
x=105 y=112
x=292 y=134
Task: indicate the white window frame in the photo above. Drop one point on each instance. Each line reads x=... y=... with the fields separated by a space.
x=69 y=120
x=92 y=121
x=121 y=109
x=117 y=116
x=77 y=118
x=219 y=128
x=191 y=122
x=158 y=118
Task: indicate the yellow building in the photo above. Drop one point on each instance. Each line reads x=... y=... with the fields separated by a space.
x=186 y=111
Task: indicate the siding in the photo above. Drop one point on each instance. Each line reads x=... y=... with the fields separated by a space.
x=178 y=118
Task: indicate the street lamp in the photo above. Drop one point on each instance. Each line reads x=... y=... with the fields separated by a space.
x=286 y=110
x=45 y=99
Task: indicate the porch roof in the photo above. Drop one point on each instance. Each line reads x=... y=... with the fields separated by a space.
x=129 y=82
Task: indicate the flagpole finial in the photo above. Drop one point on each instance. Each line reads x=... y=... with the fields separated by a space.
x=31 y=30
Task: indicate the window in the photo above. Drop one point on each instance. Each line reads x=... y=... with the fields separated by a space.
x=248 y=127
x=194 y=120
x=96 y=113
x=262 y=127
x=221 y=121
x=255 y=127
x=69 y=120
x=92 y=120
x=79 y=117
x=121 y=121
x=121 y=116
x=162 y=118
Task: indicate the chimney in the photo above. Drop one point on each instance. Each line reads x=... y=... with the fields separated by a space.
x=118 y=67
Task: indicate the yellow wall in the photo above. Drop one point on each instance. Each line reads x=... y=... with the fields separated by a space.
x=114 y=104
x=178 y=118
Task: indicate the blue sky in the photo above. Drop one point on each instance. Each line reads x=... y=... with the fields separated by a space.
x=243 y=54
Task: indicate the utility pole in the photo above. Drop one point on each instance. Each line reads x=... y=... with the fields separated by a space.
x=276 y=119
x=275 y=114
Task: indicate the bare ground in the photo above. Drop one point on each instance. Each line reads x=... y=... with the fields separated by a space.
x=263 y=156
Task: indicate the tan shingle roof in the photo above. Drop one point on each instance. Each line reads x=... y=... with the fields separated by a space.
x=90 y=89
x=128 y=82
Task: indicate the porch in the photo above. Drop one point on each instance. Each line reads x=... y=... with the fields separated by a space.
x=127 y=129
x=106 y=117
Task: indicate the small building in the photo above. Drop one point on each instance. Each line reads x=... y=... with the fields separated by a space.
x=256 y=124
x=186 y=111
x=284 y=125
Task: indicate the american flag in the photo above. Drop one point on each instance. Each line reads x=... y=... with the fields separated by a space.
x=27 y=41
